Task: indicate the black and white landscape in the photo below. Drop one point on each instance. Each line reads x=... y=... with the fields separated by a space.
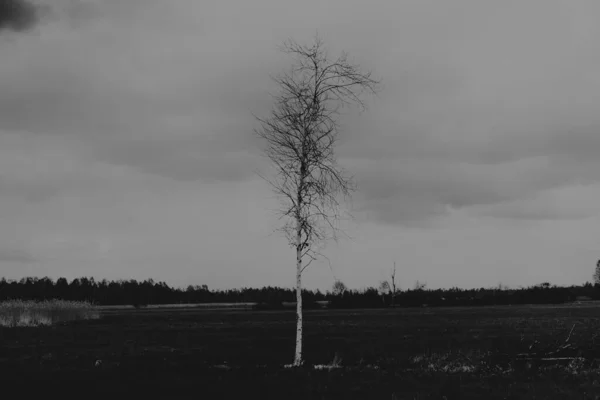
x=300 y=200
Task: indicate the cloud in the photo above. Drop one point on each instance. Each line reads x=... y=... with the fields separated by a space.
x=412 y=189
x=572 y=202
x=134 y=85
x=126 y=133
x=473 y=117
x=469 y=115
x=186 y=159
x=17 y=15
x=8 y=255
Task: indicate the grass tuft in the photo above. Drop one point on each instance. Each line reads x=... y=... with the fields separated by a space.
x=21 y=313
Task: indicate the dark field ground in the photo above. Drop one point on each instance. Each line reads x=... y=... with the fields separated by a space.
x=452 y=353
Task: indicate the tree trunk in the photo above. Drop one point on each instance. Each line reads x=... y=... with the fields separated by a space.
x=298 y=355
x=299 y=247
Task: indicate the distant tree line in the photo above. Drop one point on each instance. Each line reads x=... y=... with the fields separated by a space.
x=544 y=293
x=132 y=292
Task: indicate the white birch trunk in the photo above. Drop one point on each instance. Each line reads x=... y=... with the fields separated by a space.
x=298 y=354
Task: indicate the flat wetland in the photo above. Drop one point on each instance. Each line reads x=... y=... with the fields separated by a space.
x=503 y=352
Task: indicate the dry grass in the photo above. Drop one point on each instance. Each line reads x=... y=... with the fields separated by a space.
x=15 y=313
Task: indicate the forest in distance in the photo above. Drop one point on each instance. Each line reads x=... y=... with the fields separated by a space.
x=149 y=292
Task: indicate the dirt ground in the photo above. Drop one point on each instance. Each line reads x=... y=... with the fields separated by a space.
x=512 y=352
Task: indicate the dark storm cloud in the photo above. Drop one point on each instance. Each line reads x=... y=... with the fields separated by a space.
x=412 y=188
x=17 y=15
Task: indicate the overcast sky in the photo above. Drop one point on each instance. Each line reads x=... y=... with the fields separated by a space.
x=126 y=145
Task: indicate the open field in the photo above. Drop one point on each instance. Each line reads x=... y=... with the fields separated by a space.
x=456 y=353
x=203 y=306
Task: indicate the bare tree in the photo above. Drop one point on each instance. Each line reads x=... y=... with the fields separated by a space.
x=384 y=289
x=420 y=286
x=389 y=286
x=393 y=282
x=300 y=137
x=339 y=288
x=597 y=273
